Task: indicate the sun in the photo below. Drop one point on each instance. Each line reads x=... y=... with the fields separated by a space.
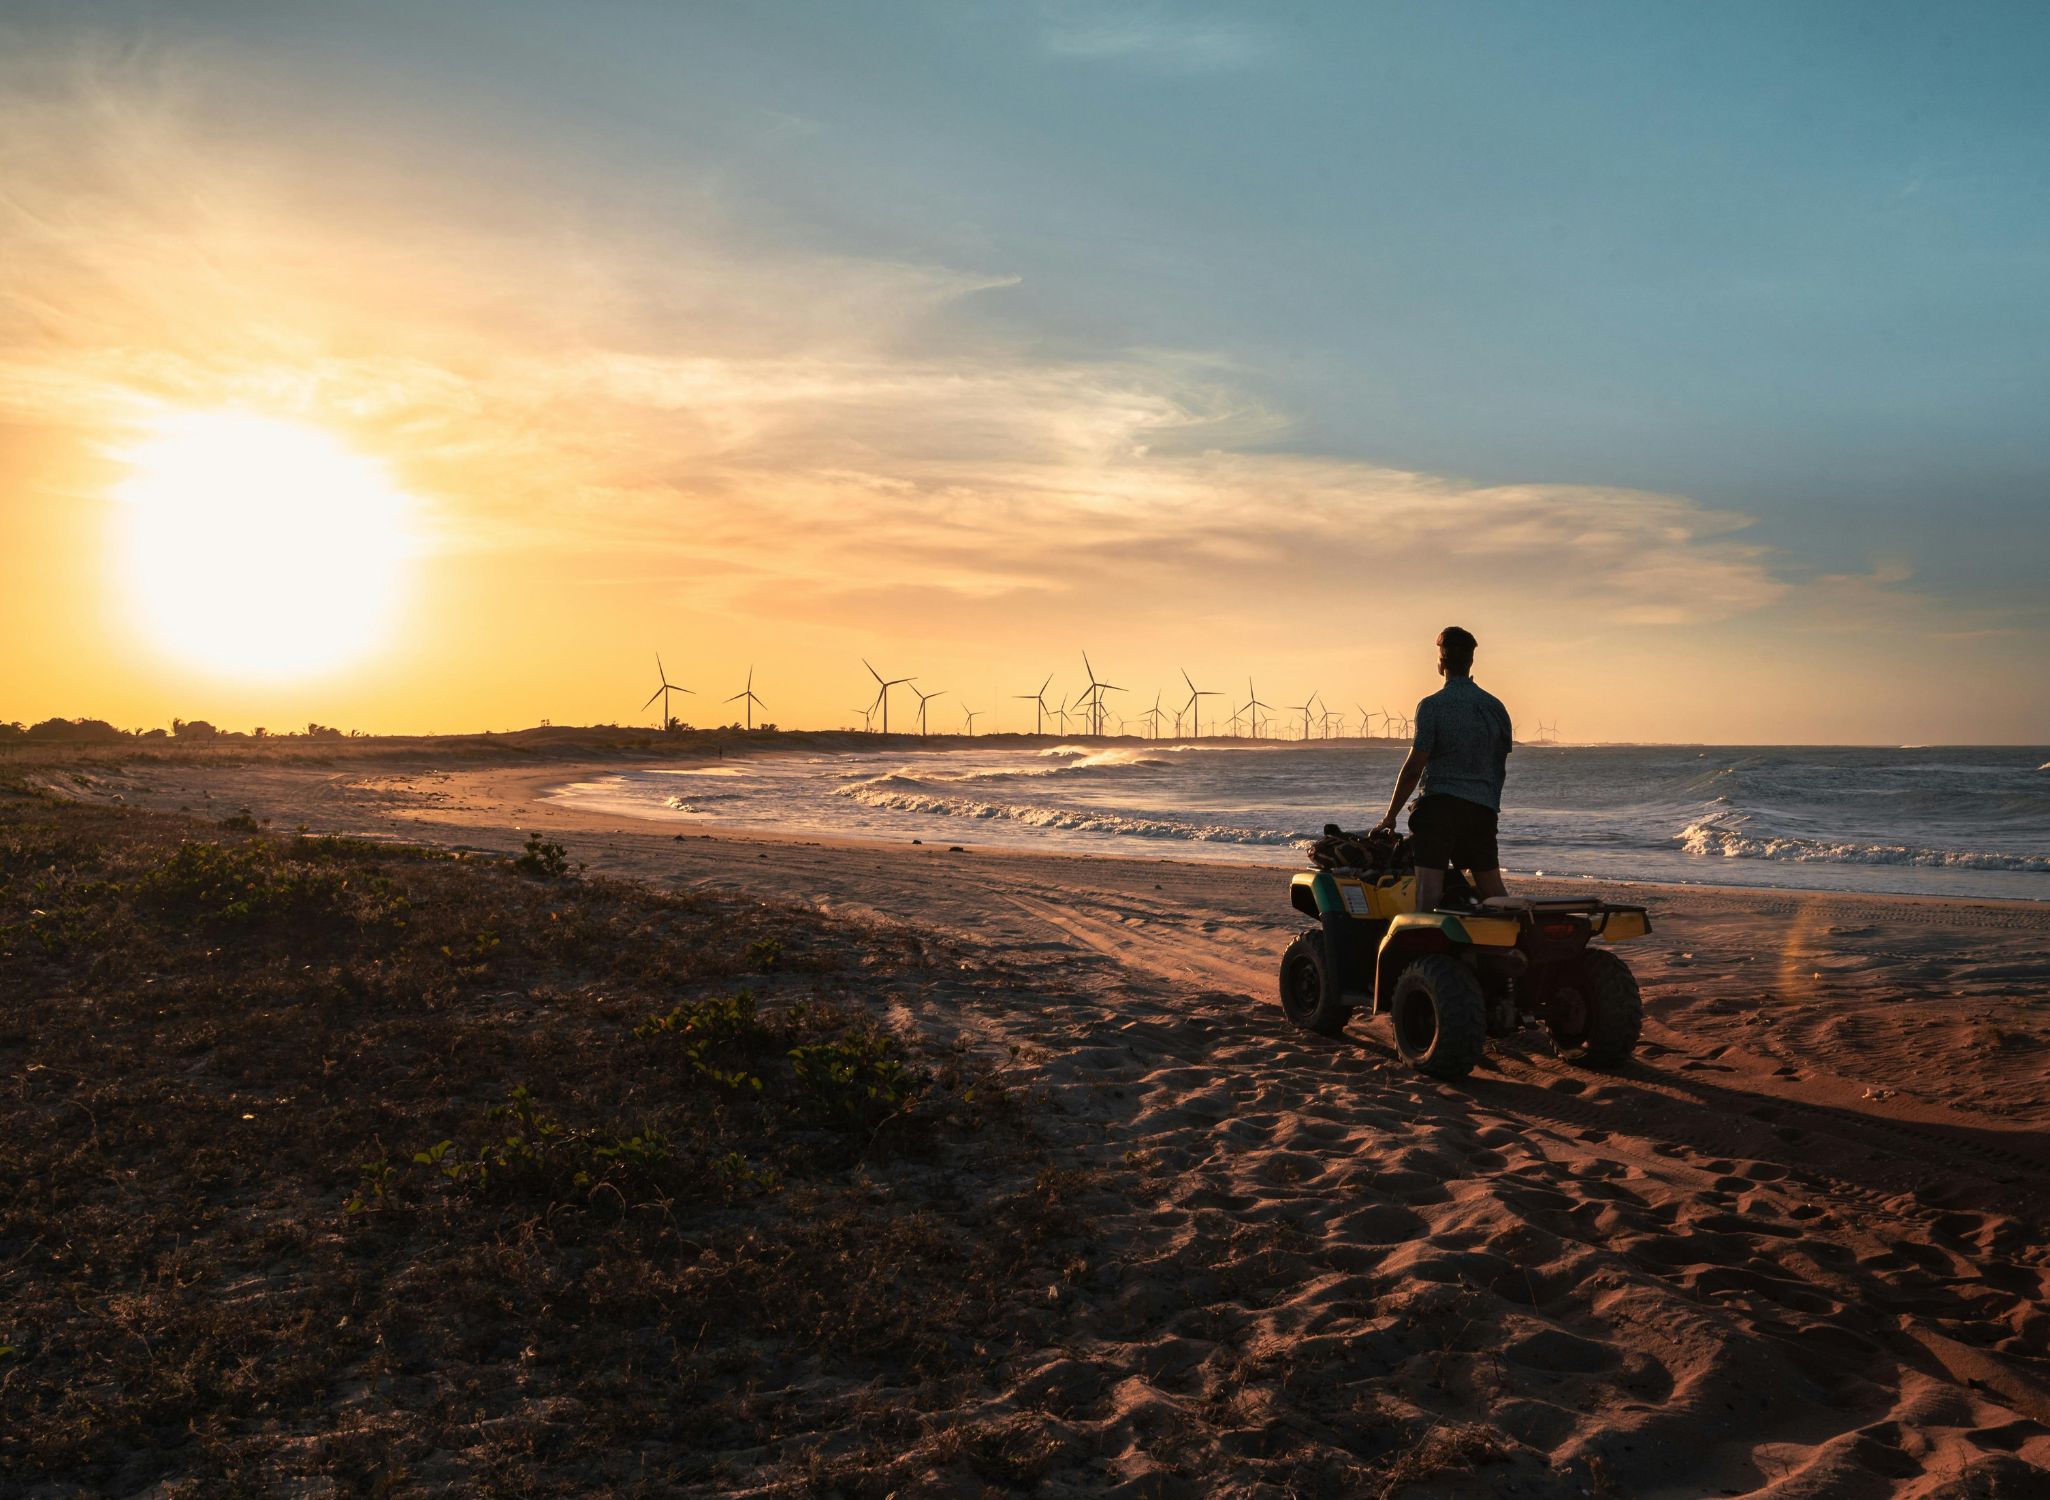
x=254 y=547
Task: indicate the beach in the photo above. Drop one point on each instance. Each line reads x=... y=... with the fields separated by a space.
x=1796 y=1247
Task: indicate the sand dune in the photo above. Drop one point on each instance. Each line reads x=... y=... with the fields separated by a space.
x=1796 y=1249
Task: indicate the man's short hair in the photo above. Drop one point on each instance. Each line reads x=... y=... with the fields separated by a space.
x=1458 y=645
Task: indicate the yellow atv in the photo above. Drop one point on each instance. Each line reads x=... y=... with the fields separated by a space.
x=1451 y=978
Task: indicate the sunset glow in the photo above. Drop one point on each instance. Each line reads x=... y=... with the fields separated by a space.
x=254 y=547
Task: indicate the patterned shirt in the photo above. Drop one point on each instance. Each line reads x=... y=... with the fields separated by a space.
x=1466 y=733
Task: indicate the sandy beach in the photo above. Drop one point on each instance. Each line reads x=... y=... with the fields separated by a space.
x=1797 y=1247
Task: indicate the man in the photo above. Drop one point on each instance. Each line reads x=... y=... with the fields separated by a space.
x=1461 y=752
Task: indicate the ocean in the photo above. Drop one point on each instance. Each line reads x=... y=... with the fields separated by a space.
x=1936 y=821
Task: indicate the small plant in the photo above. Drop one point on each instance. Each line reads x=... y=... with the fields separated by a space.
x=476 y=951
x=645 y=1149
x=854 y=1082
x=736 y=1175
x=243 y=821
x=711 y=1032
x=535 y=1136
x=543 y=859
x=376 y=1180
x=763 y=953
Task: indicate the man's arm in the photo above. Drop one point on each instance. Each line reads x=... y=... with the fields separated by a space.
x=1405 y=783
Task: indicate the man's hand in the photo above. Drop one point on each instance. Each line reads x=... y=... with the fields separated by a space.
x=1405 y=783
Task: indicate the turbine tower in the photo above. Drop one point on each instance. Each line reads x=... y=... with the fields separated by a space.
x=1252 y=706
x=971 y=712
x=1195 y=704
x=1154 y=715
x=1307 y=704
x=1092 y=697
x=883 y=691
x=1039 y=700
x=663 y=693
x=747 y=697
x=923 y=699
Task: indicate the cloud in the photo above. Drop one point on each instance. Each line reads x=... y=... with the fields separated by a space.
x=1160 y=37
x=783 y=426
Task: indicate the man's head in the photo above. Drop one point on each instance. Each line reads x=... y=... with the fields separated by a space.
x=1455 y=651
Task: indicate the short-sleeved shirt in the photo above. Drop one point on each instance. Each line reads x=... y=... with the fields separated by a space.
x=1466 y=733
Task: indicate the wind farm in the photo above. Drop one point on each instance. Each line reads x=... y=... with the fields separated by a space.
x=1082 y=708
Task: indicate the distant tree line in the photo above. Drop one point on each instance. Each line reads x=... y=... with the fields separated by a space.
x=100 y=732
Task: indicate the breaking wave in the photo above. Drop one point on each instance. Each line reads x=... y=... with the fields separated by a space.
x=1726 y=835
x=1074 y=820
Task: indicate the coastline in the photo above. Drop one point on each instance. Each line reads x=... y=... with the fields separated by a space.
x=1797 y=1240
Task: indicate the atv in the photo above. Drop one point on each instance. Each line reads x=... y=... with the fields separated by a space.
x=1452 y=977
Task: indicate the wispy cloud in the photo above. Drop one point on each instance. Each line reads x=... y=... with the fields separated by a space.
x=1162 y=37
x=773 y=424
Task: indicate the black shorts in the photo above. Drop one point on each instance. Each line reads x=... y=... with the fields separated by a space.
x=1451 y=831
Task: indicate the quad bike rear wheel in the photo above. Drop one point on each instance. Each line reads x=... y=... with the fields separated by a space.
x=1308 y=997
x=1596 y=1013
x=1440 y=1017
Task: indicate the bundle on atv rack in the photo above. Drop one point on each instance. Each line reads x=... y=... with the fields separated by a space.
x=1468 y=969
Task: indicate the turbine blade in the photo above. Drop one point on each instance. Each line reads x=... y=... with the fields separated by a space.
x=652 y=697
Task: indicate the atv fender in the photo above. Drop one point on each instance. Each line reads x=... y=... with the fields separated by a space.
x=1413 y=934
x=1313 y=895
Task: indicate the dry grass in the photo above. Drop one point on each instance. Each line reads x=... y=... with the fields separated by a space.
x=408 y=1170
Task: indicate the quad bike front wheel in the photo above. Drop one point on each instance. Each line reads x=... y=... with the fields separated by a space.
x=1596 y=1013
x=1440 y=1016
x=1308 y=997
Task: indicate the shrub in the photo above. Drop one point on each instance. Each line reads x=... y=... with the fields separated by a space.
x=854 y=1082
x=543 y=860
x=252 y=885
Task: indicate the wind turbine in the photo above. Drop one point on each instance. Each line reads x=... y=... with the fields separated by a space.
x=747 y=695
x=1237 y=717
x=1062 y=714
x=663 y=693
x=1195 y=703
x=923 y=699
x=1038 y=699
x=1092 y=697
x=1154 y=714
x=1549 y=731
x=868 y=716
x=971 y=712
x=1366 y=719
x=1307 y=704
x=883 y=691
x=1252 y=707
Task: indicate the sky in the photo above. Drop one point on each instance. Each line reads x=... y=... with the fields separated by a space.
x=1693 y=357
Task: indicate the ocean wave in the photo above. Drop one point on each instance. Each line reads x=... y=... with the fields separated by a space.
x=694 y=804
x=1722 y=836
x=1067 y=819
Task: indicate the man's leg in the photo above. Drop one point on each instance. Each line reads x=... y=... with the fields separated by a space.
x=1431 y=846
x=1489 y=883
x=1430 y=887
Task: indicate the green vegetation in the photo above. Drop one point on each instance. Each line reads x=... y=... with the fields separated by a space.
x=329 y=1158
